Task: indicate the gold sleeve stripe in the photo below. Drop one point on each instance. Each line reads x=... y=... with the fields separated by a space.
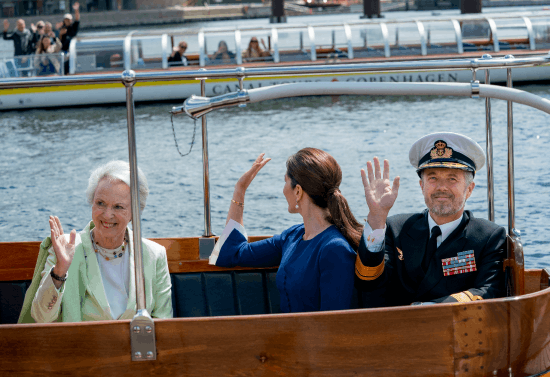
x=367 y=273
x=461 y=297
x=473 y=297
x=466 y=296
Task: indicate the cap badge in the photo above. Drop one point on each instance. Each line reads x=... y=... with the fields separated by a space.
x=441 y=151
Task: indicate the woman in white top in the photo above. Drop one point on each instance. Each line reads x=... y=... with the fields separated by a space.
x=90 y=275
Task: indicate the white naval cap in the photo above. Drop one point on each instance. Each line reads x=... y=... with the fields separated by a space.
x=68 y=16
x=446 y=150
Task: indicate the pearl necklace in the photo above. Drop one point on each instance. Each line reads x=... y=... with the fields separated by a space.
x=109 y=254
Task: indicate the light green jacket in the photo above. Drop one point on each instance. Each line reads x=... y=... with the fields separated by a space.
x=82 y=297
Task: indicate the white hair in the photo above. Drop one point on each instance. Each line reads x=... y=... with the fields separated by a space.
x=113 y=171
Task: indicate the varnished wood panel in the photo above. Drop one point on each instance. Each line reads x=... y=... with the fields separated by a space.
x=481 y=337
x=18 y=259
x=362 y=342
x=532 y=280
x=473 y=339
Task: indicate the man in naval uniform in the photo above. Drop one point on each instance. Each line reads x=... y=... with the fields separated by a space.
x=443 y=254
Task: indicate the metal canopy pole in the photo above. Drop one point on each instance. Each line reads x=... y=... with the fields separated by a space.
x=514 y=264
x=489 y=149
x=207 y=242
x=142 y=327
x=206 y=173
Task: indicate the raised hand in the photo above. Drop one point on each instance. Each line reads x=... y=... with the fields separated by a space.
x=380 y=195
x=246 y=179
x=237 y=204
x=6 y=25
x=64 y=251
x=76 y=6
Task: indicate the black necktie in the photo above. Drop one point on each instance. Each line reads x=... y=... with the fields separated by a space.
x=432 y=247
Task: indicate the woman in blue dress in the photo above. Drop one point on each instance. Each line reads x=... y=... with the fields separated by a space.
x=316 y=259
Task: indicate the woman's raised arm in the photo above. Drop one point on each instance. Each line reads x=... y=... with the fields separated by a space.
x=237 y=203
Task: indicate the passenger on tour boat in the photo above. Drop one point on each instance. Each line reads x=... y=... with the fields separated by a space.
x=68 y=29
x=90 y=275
x=222 y=55
x=177 y=58
x=441 y=255
x=37 y=33
x=254 y=51
x=48 y=65
x=22 y=43
x=315 y=258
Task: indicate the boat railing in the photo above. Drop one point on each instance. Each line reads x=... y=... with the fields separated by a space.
x=199 y=106
x=32 y=65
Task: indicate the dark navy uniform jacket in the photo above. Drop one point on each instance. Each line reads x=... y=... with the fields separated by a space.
x=394 y=276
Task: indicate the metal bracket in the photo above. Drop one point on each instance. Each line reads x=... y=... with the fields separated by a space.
x=206 y=246
x=475 y=89
x=142 y=337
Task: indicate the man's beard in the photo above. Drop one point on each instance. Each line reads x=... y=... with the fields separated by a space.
x=445 y=209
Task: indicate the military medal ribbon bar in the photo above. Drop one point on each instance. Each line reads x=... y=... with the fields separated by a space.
x=464 y=262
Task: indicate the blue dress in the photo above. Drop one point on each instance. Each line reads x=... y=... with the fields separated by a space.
x=314 y=275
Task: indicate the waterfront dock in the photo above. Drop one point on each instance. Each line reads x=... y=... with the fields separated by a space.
x=187 y=14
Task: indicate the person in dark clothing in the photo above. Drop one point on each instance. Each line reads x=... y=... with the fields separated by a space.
x=177 y=58
x=22 y=41
x=441 y=255
x=222 y=55
x=37 y=33
x=69 y=30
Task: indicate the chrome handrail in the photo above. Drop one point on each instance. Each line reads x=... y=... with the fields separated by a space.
x=456 y=64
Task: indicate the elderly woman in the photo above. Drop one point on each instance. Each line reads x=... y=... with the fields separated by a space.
x=90 y=275
x=317 y=257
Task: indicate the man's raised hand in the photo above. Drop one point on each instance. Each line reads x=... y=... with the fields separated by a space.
x=380 y=195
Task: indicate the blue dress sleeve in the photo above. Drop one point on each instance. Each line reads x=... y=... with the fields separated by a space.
x=236 y=251
x=337 y=275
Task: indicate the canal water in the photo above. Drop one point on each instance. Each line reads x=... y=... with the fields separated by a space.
x=47 y=156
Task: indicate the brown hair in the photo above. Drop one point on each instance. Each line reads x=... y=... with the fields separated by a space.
x=320 y=176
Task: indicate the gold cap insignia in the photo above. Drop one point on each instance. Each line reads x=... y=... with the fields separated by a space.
x=441 y=151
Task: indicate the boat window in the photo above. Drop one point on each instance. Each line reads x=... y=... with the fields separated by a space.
x=96 y=54
x=146 y=52
x=404 y=38
x=331 y=42
x=367 y=40
x=192 y=52
x=541 y=31
x=440 y=37
x=263 y=36
x=220 y=48
x=294 y=44
x=476 y=35
x=32 y=65
x=512 y=33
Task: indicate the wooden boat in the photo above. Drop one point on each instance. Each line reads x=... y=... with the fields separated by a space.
x=227 y=320
x=361 y=41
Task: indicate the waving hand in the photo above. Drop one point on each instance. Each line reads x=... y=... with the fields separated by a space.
x=64 y=250
x=379 y=193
